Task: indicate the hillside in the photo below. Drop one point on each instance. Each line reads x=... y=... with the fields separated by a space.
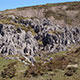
x=40 y=42
x=61 y=13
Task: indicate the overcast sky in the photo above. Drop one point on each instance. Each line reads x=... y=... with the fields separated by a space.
x=11 y=4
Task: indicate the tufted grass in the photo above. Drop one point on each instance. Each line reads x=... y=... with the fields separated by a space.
x=57 y=74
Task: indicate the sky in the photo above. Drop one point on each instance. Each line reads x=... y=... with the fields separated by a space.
x=11 y=4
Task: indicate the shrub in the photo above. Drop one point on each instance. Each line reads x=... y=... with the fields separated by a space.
x=40 y=68
x=9 y=72
x=36 y=70
x=70 y=71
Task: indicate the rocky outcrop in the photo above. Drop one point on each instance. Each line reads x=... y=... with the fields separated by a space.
x=53 y=37
x=48 y=37
x=16 y=41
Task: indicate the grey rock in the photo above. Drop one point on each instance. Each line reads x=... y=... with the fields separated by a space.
x=54 y=38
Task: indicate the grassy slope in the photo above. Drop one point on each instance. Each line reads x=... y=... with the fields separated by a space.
x=57 y=74
x=19 y=67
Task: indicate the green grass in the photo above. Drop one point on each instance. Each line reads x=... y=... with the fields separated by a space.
x=19 y=67
x=4 y=62
x=58 y=54
x=56 y=74
x=59 y=74
x=70 y=4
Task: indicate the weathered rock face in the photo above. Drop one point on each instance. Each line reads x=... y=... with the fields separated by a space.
x=53 y=37
x=16 y=41
x=62 y=38
x=48 y=37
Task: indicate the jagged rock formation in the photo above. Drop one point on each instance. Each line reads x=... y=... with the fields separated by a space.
x=48 y=37
x=16 y=41
x=53 y=37
x=50 y=28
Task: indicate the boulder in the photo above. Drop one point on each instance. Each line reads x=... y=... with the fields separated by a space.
x=1 y=26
